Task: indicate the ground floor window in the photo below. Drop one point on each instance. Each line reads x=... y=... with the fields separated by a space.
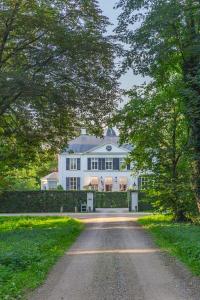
x=143 y=182
x=123 y=187
x=123 y=184
x=95 y=183
x=52 y=185
x=108 y=184
x=108 y=187
x=73 y=183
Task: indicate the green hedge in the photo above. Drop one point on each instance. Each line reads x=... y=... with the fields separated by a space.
x=111 y=199
x=41 y=201
x=52 y=201
x=144 y=203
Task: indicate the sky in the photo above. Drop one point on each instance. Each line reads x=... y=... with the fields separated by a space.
x=129 y=79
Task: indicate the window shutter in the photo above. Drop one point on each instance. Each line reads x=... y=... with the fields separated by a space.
x=67 y=184
x=100 y=163
x=115 y=163
x=103 y=164
x=67 y=163
x=78 y=163
x=128 y=167
x=78 y=183
x=89 y=163
x=139 y=183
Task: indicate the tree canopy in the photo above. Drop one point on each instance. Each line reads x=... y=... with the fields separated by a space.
x=57 y=72
x=164 y=42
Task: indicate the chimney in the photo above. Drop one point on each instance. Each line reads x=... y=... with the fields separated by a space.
x=83 y=131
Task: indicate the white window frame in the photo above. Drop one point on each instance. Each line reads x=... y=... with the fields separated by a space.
x=121 y=163
x=94 y=164
x=109 y=163
x=144 y=180
x=73 y=183
x=73 y=164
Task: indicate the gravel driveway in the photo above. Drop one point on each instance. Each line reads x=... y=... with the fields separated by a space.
x=114 y=258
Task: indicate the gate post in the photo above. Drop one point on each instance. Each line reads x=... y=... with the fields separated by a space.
x=90 y=202
x=133 y=201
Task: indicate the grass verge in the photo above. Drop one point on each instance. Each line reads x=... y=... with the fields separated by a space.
x=179 y=239
x=29 y=246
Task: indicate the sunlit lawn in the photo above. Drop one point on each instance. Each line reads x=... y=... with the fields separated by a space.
x=180 y=239
x=29 y=246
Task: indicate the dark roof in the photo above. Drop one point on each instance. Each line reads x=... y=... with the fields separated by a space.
x=85 y=142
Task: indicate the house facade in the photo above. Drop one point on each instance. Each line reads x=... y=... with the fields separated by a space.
x=91 y=163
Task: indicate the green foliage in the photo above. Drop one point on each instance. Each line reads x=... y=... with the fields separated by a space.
x=54 y=201
x=60 y=188
x=153 y=121
x=145 y=203
x=23 y=179
x=111 y=200
x=57 y=72
x=180 y=240
x=24 y=265
x=165 y=46
x=41 y=201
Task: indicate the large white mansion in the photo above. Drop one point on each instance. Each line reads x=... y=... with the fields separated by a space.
x=93 y=163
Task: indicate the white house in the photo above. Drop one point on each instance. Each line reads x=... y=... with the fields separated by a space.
x=95 y=163
x=50 y=182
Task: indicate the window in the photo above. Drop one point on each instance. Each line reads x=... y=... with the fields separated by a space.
x=123 y=182
x=52 y=185
x=122 y=166
x=94 y=163
x=95 y=183
x=109 y=164
x=73 y=183
x=108 y=184
x=143 y=182
x=73 y=164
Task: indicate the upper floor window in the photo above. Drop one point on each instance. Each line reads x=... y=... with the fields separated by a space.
x=109 y=163
x=94 y=163
x=73 y=164
x=122 y=165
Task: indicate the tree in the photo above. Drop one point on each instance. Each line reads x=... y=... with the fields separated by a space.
x=167 y=41
x=56 y=72
x=154 y=123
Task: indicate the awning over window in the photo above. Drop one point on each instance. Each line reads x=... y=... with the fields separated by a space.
x=94 y=180
x=108 y=180
x=123 y=180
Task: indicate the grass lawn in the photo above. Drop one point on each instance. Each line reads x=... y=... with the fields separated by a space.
x=29 y=246
x=180 y=240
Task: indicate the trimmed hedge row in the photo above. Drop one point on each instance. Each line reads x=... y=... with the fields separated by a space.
x=41 y=201
x=54 y=201
x=111 y=199
x=144 y=202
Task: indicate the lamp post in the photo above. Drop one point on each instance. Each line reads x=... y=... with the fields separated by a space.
x=134 y=186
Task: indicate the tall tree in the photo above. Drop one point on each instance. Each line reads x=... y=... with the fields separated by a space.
x=154 y=123
x=56 y=71
x=166 y=41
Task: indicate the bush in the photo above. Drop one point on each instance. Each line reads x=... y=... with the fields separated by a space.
x=65 y=201
x=41 y=201
x=111 y=199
